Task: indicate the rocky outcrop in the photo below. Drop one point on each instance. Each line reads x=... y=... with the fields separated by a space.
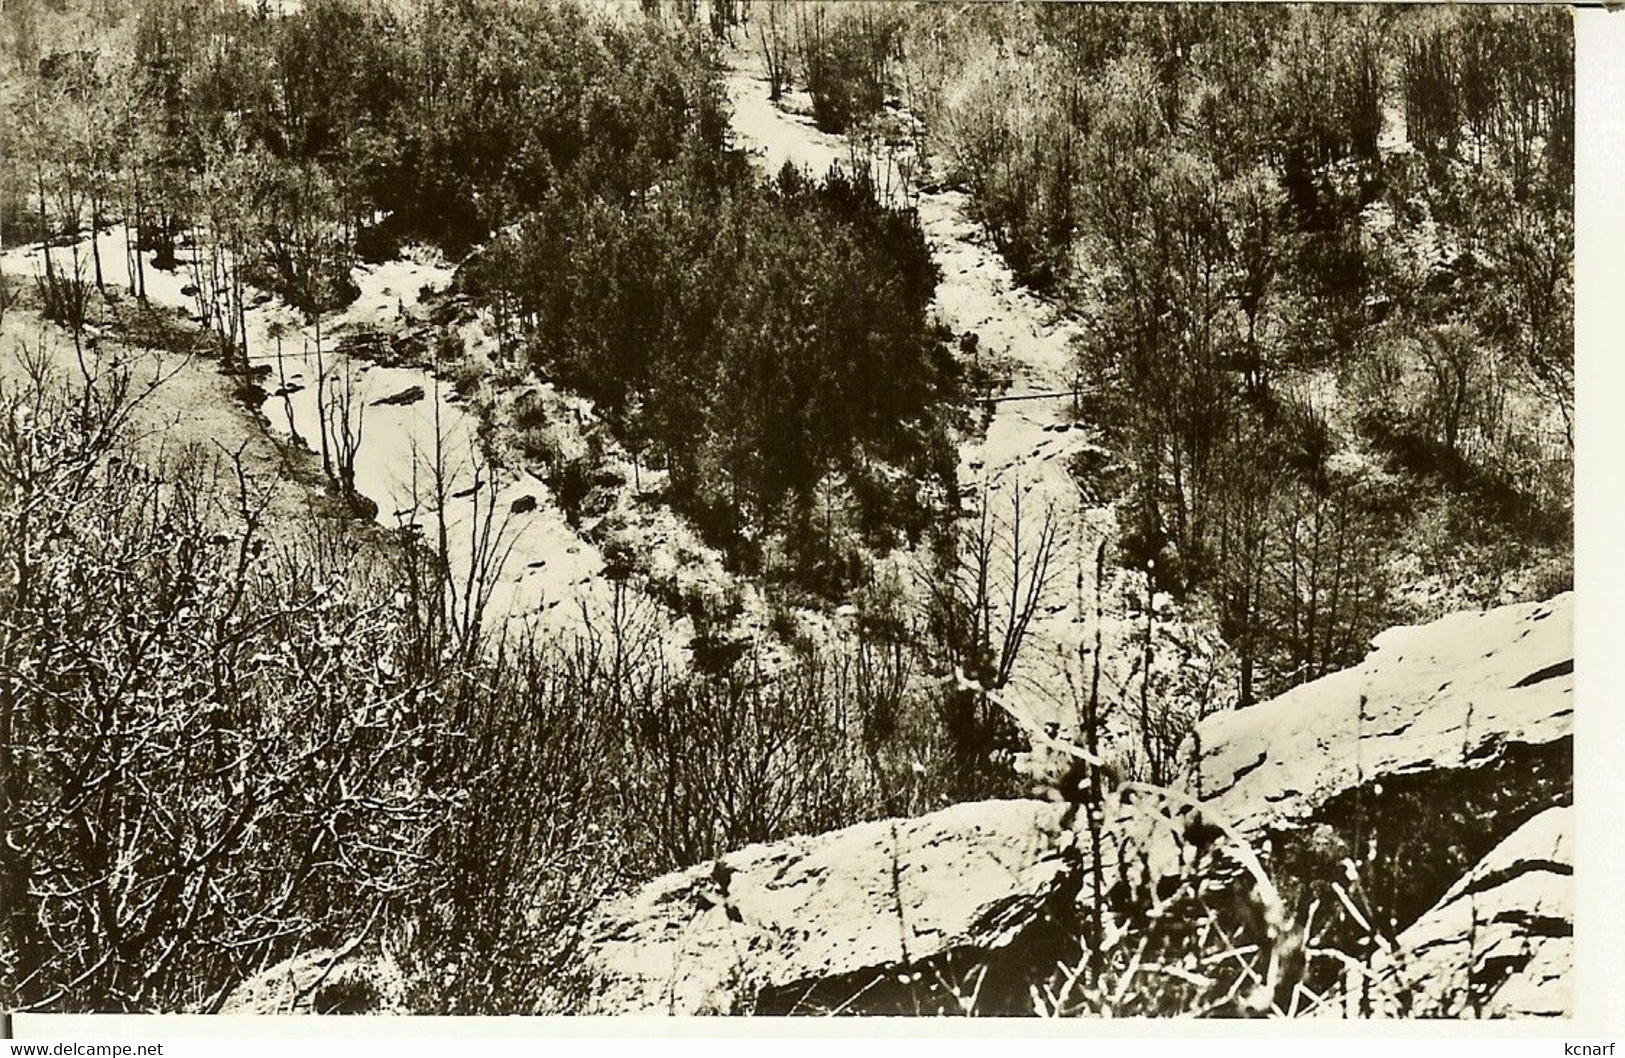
x=1454 y=695
x=323 y=981
x=1414 y=763
x=786 y=926
x=1423 y=785
x=1499 y=943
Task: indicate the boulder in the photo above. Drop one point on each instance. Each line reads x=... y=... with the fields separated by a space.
x=1499 y=943
x=1458 y=694
x=811 y=922
x=322 y=981
x=1413 y=764
x=409 y=395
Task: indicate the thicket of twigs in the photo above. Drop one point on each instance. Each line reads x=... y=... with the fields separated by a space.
x=1325 y=263
x=224 y=745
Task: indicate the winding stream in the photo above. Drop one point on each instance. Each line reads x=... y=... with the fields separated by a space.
x=552 y=578
x=1027 y=446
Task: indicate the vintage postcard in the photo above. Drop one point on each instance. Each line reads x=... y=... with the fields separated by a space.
x=793 y=507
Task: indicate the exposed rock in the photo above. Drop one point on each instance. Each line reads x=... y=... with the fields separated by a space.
x=409 y=395
x=323 y=981
x=764 y=926
x=1392 y=780
x=1500 y=943
x=1453 y=694
x=1414 y=763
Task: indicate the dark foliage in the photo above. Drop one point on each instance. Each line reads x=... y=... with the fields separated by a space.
x=1253 y=205
x=763 y=343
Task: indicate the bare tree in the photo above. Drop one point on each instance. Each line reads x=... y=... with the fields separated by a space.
x=1454 y=365
x=462 y=600
x=775 y=50
x=979 y=611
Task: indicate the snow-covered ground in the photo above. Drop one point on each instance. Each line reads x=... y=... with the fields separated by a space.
x=551 y=579
x=1028 y=445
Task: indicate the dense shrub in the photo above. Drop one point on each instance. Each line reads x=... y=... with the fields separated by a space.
x=1312 y=252
x=212 y=744
x=226 y=741
x=765 y=343
x=846 y=55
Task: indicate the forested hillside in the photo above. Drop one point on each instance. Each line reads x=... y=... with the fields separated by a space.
x=1324 y=265
x=579 y=168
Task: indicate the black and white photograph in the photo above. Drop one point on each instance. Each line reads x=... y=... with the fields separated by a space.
x=788 y=507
